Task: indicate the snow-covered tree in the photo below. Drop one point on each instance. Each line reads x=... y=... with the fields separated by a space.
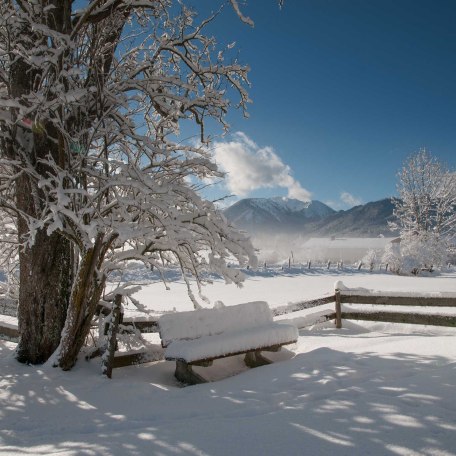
x=91 y=101
x=425 y=211
x=372 y=258
x=423 y=252
x=392 y=257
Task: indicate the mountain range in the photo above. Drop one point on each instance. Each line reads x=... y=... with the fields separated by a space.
x=267 y=216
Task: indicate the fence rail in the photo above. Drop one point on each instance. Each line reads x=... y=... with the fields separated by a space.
x=302 y=305
x=378 y=299
x=402 y=317
x=8 y=307
x=391 y=300
x=340 y=297
x=9 y=332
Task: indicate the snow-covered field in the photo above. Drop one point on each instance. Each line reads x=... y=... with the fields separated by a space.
x=368 y=389
x=279 y=287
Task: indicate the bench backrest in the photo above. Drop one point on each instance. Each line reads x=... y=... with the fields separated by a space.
x=205 y=322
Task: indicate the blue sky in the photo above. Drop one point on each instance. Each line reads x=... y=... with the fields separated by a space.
x=343 y=92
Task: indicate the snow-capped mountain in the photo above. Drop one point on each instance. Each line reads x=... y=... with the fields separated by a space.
x=271 y=214
x=313 y=218
x=367 y=220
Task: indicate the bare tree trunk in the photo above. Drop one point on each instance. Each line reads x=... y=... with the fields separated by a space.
x=85 y=296
x=45 y=283
x=46 y=274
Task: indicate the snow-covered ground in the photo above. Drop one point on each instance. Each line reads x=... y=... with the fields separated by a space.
x=279 y=287
x=367 y=389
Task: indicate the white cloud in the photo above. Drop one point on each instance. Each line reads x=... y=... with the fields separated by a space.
x=350 y=200
x=346 y=201
x=250 y=167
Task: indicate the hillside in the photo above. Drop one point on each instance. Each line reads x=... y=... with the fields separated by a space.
x=272 y=215
x=367 y=220
x=260 y=216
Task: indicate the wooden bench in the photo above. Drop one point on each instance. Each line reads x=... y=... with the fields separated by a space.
x=198 y=337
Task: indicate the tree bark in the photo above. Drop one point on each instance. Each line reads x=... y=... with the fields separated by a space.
x=46 y=267
x=85 y=296
x=45 y=283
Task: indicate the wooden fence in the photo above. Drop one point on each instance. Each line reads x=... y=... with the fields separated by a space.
x=8 y=307
x=341 y=296
x=390 y=299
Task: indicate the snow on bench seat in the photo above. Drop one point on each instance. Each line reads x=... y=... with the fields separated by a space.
x=226 y=344
x=208 y=322
x=200 y=336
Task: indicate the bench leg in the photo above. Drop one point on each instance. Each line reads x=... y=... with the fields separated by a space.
x=184 y=373
x=255 y=359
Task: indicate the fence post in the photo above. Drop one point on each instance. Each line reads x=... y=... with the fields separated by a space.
x=108 y=356
x=338 y=310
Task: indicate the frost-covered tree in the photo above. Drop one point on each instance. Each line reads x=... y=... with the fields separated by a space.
x=91 y=101
x=424 y=251
x=425 y=211
x=392 y=257
x=372 y=258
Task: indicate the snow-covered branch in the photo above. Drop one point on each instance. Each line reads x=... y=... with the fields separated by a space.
x=91 y=164
x=425 y=212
